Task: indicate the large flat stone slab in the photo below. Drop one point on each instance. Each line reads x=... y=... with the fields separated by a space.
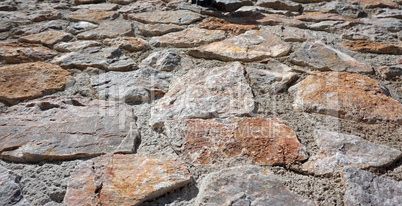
x=128 y=43
x=345 y=95
x=280 y=5
x=57 y=128
x=109 y=29
x=157 y=29
x=322 y=57
x=39 y=27
x=251 y=46
x=207 y=142
x=30 y=80
x=122 y=179
x=93 y=16
x=206 y=93
x=339 y=150
x=75 y=45
x=47 y=38
x=180 y=17
x=230 y=28
x=246 y=185
x=364 y=188
x=15 y=53
x=371 y=4
x=374 y=47
x=10 y=190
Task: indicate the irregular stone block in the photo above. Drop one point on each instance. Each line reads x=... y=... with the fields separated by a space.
x=47 y=38
x=157 y=29
x=128 y=43
x=75 y=46
x=130 y=87
x=207 y=142
x=81 y=27
x=100 y=7
x=40 y=27
x=318 y=17
x=250 y=46
x=121 y=179
x=165 y=60
x=10 y=191
x=323 y=57
x=391 y=72
x=110 y=59
x=109 y=29
x=246 y=185
x=363 y=188
x=279 y=5
x=231 y=5
x=14 y=53
x=231 y=28
x=143 y=6
x=206 y=93
x=58 y=128
x=93 y=16
x=188 y=38
x=342 y=8
x=345 y=95
x=166 y=17
x=44 y=15
x=339 y=150
x=273 y=19
x=371 y=4
x=374 y=47
x=30 y=80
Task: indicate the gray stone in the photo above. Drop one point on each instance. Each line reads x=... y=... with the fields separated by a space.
x=370 y=32
x=206 y=93
x=5 y=26
x=102 y=7
x=389 y=13
x=246 y=11
x=342 y=8
x=390 y=72
x=165 y=60
x=75 y=46
x=271 y=78
x=122 y=1
x=47 y=38
x=44 y=15
x=180 y=5
x=338 y=150
x=130 y=87
x=231 y=5
x=331 y=26
x=157 y=29
x=322 y=57
x=40 y=27
x=246 y=185
x=81 y=27
x=10 y=191
x=363 y=188
x=280 y=5
x=54 y=129
x=166 y=17
x=391 y=24
x=109 y=29
x=143 y=6
x=110 y=59
x=128 y=43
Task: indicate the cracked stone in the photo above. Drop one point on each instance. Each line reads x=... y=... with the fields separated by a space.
x=30 y=80
x=108 y=29
x=10 y=190
x=251 y=46
x=100 y=7
x=166 y=17
x=339 y=150
x=158 y=29
x=47 y=38
x=345 y=95
x=220 y=24
x=75 y=46
x=206 y=93
x=342 y=8
x=121 y=179
x=273 y=19
x=40 y=27
x=66 y=128
x=318 y=17
x=374 y=47
x=165 y=60
x=128 y=43
x=207 y=142
x=14 y=53
x=93 y=16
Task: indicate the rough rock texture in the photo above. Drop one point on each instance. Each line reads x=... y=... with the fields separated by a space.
x=363 y=188
x=75 y=46
x=14 y=53
x=10 y=190
x=374 y=47
x=250 y=46
x=323 y=57
x=158 y=29
x=231 y=28
x=81 y=26
x=231 y=5
x=264 y=141
x=338 y=150
x=166 y=17
x=206 y=93
x=247 y=185
x=119 y=179
x=109 y=29
x=279 y=5
x=93 y=16
x=39 y=27
x=350 y=96
x=391 y=72
x=131 y=44
x=56 y=128
x=30 y=80
x=48 y=38
x=165 y=60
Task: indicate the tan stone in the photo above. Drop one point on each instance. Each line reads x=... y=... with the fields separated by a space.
x=346 y=95
x=374 y=47
x=124 y=179
x=128 y=43
x=263 y=141
x=181 y=17
x=250 y=46
x=231 y=28
x=30 y=80
x=14 y=53
x=47 y=38
x=318 y=17
x=370 y=4
x=94 y=16
x=158 y=29
x=109 y=29
x=274 y=19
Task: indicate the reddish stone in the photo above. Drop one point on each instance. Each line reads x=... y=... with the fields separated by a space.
x=231 y=28
x=318 y=17
x=14 y=53
x=94 y=16
x=370 y=4
x=47 y=38
x=374 y=47
x=264 y=141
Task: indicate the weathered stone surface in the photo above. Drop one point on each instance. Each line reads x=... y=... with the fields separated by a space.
x=271 y=78
x=128 y=43
x=349 y=96
x=342 y=8
x=390 y=72
x=158 y=29
x=130 y=87
x=184 y=5
x=280 y=5
x=110 y=59
x=81 y=27
x=374 y=47
x=389 y=13
x=166 y=17
x=246 y=185
x=370 y=32
x=100 y=7
x=391 y=24
x=14 y=53
x=144 y=6
x=250 y=46
x=231 y=28
x=248 y=11
x=188 y=38
x=363 y=188
x=40 y=27
x=339 y=150
x=206 y=93
x=292 y=34
x=47 y=38
x=273 y=19
x=30 y=80
x=370 y=4
x=75 y=46
x=122 y=1
x=231 y=5
x=10 y=191
x=318 y=16
x=165 y=60
x=122 y=179
x=263 y=141
x=44 y=15
x=5 y=26
x=93 y=16
x=109 y=29
x=55 y=128
x=323 y=57
x=78 y=2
